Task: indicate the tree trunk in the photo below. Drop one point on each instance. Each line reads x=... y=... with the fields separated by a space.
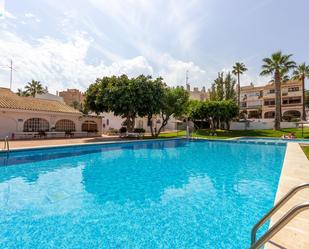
x=278 y=99
x=130 y=123
x=304 y=105
x=227 y=125
x=164 y=123
x=150 y=125
x=238 y=78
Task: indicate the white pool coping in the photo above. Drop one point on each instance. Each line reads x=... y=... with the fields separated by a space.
x=295 y=171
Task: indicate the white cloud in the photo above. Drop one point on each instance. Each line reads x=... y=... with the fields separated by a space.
x=29 y=15
x=7 y=14
x=32 y=16
x=61 y=63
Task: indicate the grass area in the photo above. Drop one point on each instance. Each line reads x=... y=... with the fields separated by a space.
x=306 y=151
x=222 y=134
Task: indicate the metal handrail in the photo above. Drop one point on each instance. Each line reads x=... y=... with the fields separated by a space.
x=6 y=144
x=280 y=224
x=278 y=205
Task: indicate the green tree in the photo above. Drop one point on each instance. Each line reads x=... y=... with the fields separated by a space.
x=175 y=103
x=141 y=96
x=34 y=87
x=229 y=87
x=223 y=88
x=301 y=72
x=218 y=113
x=238 y=69
x=96 y=96
x=152 y=99
x=275 y=65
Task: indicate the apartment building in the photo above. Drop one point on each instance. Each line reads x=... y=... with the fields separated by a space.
x=259 y=102
x=72 y=95
x=197 y=94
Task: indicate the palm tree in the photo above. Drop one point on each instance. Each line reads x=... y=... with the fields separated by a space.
x=238 y=69
x=277 y=65
x=284 y=77
x=34 y=87
x=301 y=73
x=22 y=93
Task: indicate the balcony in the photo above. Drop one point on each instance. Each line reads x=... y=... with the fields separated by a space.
x=254 y=106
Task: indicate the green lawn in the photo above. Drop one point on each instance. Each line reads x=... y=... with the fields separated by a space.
x=306 y=150
x=222 y=134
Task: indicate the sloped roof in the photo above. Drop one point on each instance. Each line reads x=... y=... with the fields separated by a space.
x=10 y=100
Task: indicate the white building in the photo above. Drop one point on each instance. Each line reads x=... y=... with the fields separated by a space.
x=110 y=121
x=25 y=117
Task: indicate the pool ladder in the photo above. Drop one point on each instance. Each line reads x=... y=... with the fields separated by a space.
x=256 y=244
x=6 y=144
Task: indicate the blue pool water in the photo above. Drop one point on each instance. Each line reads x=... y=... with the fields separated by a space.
x=152 y=194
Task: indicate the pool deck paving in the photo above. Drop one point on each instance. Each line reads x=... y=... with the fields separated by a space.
x=295 y=171
x=14 y=144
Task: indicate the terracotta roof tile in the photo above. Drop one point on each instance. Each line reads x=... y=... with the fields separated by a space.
x=9 y=100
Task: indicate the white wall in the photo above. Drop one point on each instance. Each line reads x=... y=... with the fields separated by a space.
x=259 y=125
x=109 y=120
x=12 y=121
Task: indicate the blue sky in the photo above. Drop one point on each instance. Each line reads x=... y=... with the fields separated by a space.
x=68 y=44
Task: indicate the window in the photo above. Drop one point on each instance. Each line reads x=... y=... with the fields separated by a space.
x=65 y=125
x=271 y=91
x=269 y=115
x=243 y=104
x=293 y=100
x=36 y=124
x=90 y=126
x=293 y=89
x=290 y=115
x=107 y=121
x=269 y=102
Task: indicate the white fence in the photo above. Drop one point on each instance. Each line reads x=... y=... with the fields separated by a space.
x=259 y=125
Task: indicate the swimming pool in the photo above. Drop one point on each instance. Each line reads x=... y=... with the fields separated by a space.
x=149 y=194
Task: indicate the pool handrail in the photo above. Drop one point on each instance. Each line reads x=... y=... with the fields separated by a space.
x=6 y=144
x=276 y=207
x=280 y=224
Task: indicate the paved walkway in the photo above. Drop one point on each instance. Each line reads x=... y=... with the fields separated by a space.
x=60 y=141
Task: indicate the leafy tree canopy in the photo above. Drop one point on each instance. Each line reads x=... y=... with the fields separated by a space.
x=131 y=97
x=223 y=88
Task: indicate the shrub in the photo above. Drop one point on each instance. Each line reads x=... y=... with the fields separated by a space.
x=123 y=130
x=139 y=130
x=112 y=131
x=295 y=119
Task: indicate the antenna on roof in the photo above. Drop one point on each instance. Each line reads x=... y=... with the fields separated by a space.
x=187 y=77
x=11 y=72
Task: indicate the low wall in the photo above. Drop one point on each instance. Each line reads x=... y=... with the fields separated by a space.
x=259 y=125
